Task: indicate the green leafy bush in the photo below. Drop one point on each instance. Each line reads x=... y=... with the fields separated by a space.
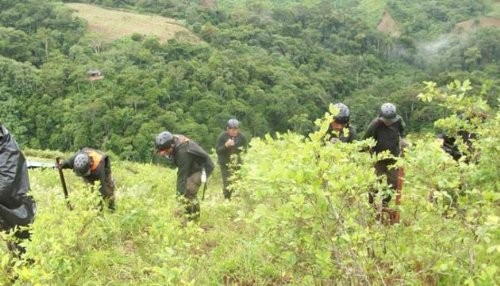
x=300 y=216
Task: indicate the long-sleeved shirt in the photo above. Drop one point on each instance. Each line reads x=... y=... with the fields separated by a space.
x=99 y=162
x=340 y=135
x=189 y=158
x=386 y=136
x=224 y=153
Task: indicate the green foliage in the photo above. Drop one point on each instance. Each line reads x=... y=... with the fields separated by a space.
x=299 y=216
x=17 y=83
x=473 y=114
x=373 y=10
x=81 y=243
x=275 y=65
x=429 y=18
x=495 y=9
x=309 y=206
x=37 y=28
x=298 y=193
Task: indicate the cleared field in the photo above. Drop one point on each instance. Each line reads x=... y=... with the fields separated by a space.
x=114 y=24
x=469 y=25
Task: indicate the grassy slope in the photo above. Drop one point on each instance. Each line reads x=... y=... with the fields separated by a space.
x=143 y=242
x=114 y=24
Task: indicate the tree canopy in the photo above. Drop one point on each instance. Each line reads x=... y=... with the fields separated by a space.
x=274 y=67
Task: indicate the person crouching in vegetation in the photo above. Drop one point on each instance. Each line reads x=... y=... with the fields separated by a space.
x=17 y=208
x=191 y=161
x=339 y=129
x=450 y=196
x=230 y=144
x=448 y=145
x=93 y=165
x=388 y=130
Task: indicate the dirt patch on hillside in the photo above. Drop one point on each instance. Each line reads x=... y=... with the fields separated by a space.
x=388 y=25
x=114 y=24
x=211 y=4
x=467 y=26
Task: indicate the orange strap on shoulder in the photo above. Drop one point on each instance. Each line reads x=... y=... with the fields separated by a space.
x=96 y=159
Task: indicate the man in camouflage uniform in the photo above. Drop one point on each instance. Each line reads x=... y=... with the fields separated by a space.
x=388 y=130
x=191 y=161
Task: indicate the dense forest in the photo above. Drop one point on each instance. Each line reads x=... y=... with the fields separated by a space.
x=275 y=67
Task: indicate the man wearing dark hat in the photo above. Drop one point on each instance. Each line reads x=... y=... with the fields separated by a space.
x=230 y=143
x=388 y=130
x=93 y=165
x=193 y=167
x=339 y=129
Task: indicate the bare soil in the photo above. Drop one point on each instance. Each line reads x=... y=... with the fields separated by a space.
x=473 y=24
x=388 y=25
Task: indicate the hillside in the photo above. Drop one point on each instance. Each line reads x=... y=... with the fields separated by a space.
x=474 y=24
x=300 y=213
x=297 y=218
x=114 y=24
x=275 y=68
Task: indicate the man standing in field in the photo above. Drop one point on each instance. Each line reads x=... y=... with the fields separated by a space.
x=230 y=144
x=388 y=130
x=17 y=209
x=193 y=163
